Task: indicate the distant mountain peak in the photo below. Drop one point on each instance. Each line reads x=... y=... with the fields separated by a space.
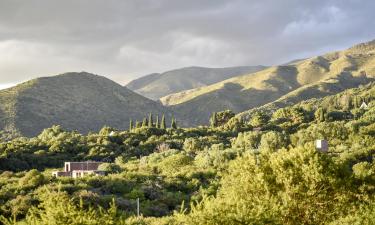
x=77 y=101
x=289 y=83
x=155 y=86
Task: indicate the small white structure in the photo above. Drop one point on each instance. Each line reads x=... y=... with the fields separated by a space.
x=364 y=106
x=321 y=145
x=79 y=169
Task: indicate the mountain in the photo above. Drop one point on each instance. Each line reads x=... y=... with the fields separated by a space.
x=343 y=100
x=287 y=84
x=156 y=85
x=76 y=101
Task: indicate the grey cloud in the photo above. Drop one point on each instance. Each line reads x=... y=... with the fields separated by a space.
x=129 y=38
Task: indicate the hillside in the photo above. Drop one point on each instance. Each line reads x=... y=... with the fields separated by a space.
x=156 y=85
x=303 y=79
x=222 y=174
x=76 y=101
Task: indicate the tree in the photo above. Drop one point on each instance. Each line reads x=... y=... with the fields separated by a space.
x=162 y=124
x=320 y=115
x=110 y=167
x=144 y=122
x=193 y=145
x=32 y=179
x=138 y=124
x=272 y=141
x=150 y=120
x=296 y=186
x=259 y=119
x=59 y=208
x=247 y=140
x=157 y=122
x=295 y=115
x=174 y=123
x=223 y=117
x=213 y=120
x=130 y=125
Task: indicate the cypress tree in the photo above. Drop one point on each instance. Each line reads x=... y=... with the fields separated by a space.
x=138 y=124
x=130 y=125
x=144 y=122
x=350 y=102
x=162 y=124
x=150 y=121
x=157 y=122
x=173 y=123
x=213 y=120
x=357 y=101
x=320 y=115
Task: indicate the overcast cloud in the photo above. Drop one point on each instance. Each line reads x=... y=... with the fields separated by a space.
x=124 y=39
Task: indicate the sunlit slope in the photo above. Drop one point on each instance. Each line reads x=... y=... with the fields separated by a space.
x=314 y=77
x=155 y=86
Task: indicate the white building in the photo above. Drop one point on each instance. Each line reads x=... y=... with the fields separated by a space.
x=79 y=169
x=321 y=145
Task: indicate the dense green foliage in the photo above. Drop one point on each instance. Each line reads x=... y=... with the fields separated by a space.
x=262 y=169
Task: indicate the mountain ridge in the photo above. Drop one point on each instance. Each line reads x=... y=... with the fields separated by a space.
x=350 y=67
x=76 y=101
x=157 y=85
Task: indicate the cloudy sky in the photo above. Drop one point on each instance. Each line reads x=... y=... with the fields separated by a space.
x=124 y=39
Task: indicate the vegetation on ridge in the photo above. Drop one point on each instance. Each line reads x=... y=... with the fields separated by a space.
x=261 y=168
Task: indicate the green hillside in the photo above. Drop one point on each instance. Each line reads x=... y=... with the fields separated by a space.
x=76 y=101
x=297 y=81
x=227 y=173
x=155 y=86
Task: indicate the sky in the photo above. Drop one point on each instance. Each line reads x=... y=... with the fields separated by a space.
x=126 y=39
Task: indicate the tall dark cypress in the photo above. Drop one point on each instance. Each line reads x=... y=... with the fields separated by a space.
x=173 y=123
x=138 y=124
x=213 y=120
x=150 y=120
x=157 y=122
x=144 y=122
x=162 y=124
x=130 y=125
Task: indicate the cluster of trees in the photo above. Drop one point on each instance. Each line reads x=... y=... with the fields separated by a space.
x=258 y=169
x=149 y=123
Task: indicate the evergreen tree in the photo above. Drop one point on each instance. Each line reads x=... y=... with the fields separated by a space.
x=162 y=124
x=138 y=124
x=320 y=115
x=357 y=101
x=173 y=123
x=144 y=122
x=213 y=120
x=157 y=122
x=150 y=120
x=130 y=125
x=349 y=103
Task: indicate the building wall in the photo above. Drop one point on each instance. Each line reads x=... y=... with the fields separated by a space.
x=70 y=166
